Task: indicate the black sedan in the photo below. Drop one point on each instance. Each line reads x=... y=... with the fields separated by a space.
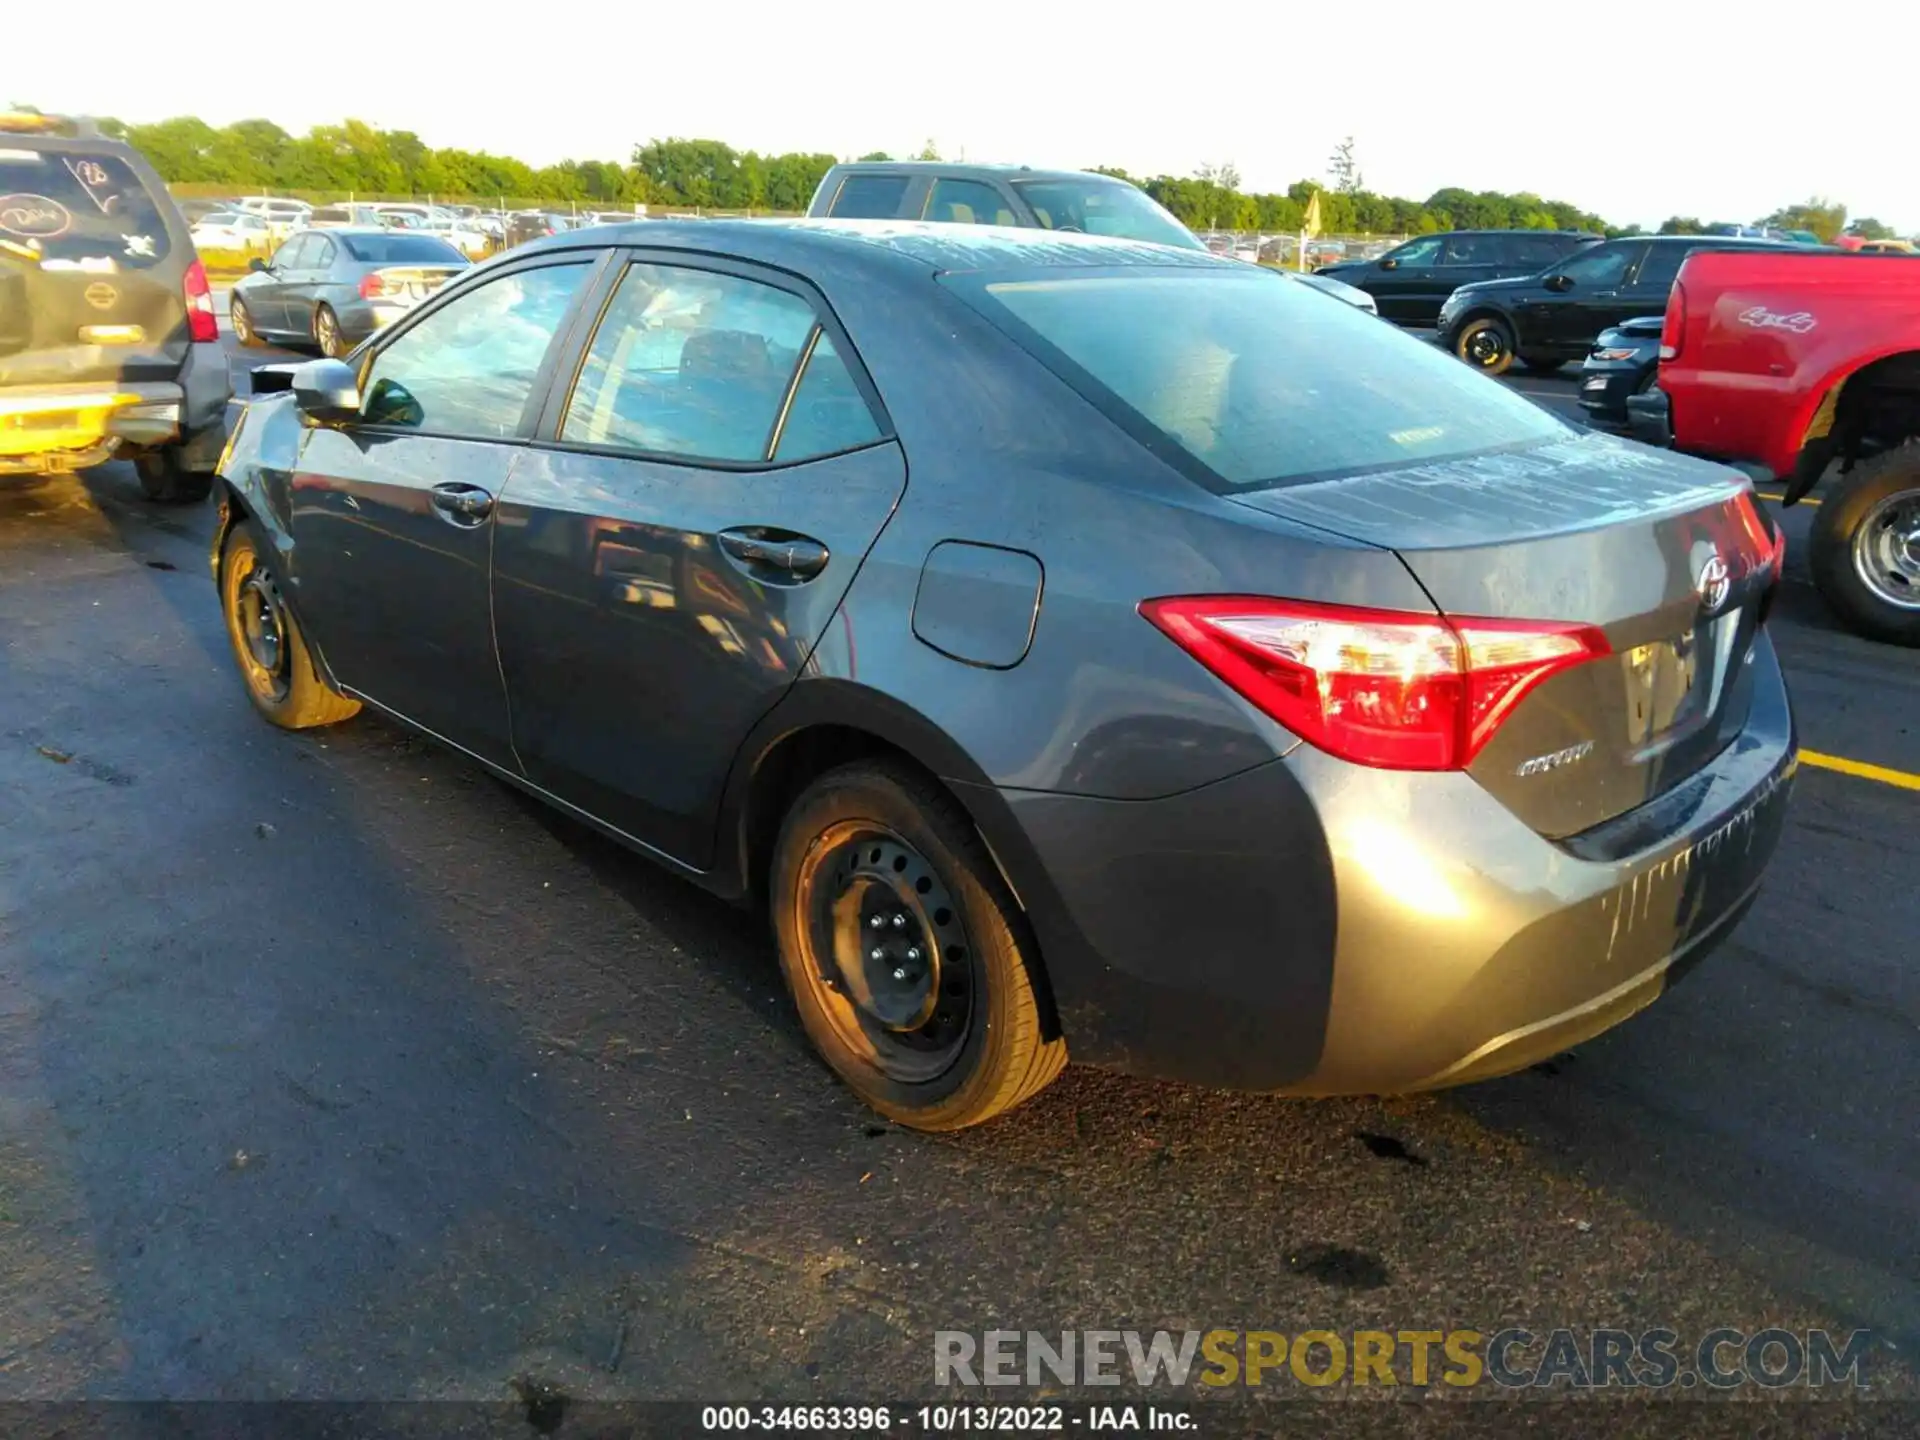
x=1624 y=361
x=1547 y=319
x=1073 y=644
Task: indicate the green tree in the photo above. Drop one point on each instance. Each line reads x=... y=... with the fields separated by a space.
x=873 y=155
x=1825 y=218
x=1868 y=228
x=928 y=151
x=1682 y=225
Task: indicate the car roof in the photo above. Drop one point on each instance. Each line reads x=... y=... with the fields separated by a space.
x=930 y=244
x=961 y=169
x=1763 y=240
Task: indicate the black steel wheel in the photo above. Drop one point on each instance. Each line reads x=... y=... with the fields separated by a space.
x=907 y=959
x=1486 y=344
x=274 y=661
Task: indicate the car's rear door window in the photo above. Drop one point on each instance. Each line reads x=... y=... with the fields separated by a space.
x=870 y=197
x=1243 y=379
x=1660 y=267
x=700 y=365
x=469 y=367
x=80 y=211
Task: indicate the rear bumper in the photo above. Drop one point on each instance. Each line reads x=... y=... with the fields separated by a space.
x=1605 y=389
x=1650 y=418
x=69 y=426
x=1317 y=928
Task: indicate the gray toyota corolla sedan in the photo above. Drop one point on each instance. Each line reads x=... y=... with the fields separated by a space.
x=1076 y=645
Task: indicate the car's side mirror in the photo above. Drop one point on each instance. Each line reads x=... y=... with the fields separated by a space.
x=257 y=266
x=1559 y=284
x=1389 y=264
x=327 y=390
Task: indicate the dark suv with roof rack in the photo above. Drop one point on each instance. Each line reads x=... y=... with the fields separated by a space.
x=1081 y=200
x=108 y=344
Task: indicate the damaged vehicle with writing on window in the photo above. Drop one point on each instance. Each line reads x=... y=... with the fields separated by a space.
x=108 y=345
x=1002 y=613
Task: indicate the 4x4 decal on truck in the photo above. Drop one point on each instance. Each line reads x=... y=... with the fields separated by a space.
x=1761 y=318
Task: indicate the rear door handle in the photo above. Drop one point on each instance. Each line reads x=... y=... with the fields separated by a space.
x=780 y=556
x=465 y=504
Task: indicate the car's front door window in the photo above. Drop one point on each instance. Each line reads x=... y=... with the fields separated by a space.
x=1417 y=252
x=469 y=368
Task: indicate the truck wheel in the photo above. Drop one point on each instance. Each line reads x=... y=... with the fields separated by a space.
x=1865 y=551
x=165 y=480
x=908 y=961
x=1486 y=344
x=280 y=675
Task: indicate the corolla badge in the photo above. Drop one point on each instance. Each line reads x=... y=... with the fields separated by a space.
x=1713 y=582
x=1541 y=764
x=1761 y=318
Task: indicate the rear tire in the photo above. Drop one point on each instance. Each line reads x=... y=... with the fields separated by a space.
x=164 y=480
x=1865 y=546
x=326 y=333
x=278 y=669
x=1486 y=344
x=908 y=961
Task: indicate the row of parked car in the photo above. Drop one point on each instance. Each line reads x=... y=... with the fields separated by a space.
x=257 y=222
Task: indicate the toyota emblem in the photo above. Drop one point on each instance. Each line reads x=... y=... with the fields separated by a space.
x=101 y=295
x=1713 y=583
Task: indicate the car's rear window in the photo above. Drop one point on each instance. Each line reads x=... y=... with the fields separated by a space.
x=401 y=249
x=1243 y=379
x=870 y=197
x=79 y=210
x=1104 y=207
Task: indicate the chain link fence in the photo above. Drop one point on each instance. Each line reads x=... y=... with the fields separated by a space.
x=1284 y=250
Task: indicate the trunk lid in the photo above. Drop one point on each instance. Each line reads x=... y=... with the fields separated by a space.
x=92 y=265
x=410 y=284
x=1667 y=556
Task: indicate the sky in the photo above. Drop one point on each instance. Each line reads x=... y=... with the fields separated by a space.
x=1690 y=107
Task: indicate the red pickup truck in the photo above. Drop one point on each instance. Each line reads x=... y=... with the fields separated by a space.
x=1796 y=361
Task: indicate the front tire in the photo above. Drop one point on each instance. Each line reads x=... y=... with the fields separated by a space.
x=165 y=481
x=242 y=319
x=326 y=333
x=1486 y=344
x=1865 y=546
x=274 y=661
x=909 y=963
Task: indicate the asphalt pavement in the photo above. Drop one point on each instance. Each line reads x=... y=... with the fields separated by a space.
x=332 y=1068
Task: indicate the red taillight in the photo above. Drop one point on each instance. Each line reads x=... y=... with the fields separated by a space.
x=1675 y=321
x=1384 y=688
x=199 y=297
x=372 y=285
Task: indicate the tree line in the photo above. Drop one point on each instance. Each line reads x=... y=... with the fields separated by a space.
x=358 y=158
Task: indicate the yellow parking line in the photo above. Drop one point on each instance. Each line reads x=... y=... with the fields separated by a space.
x=1804 y=499
x=1900 y=779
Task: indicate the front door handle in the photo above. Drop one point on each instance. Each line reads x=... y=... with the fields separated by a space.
x=777 y=556
x=464 y=504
